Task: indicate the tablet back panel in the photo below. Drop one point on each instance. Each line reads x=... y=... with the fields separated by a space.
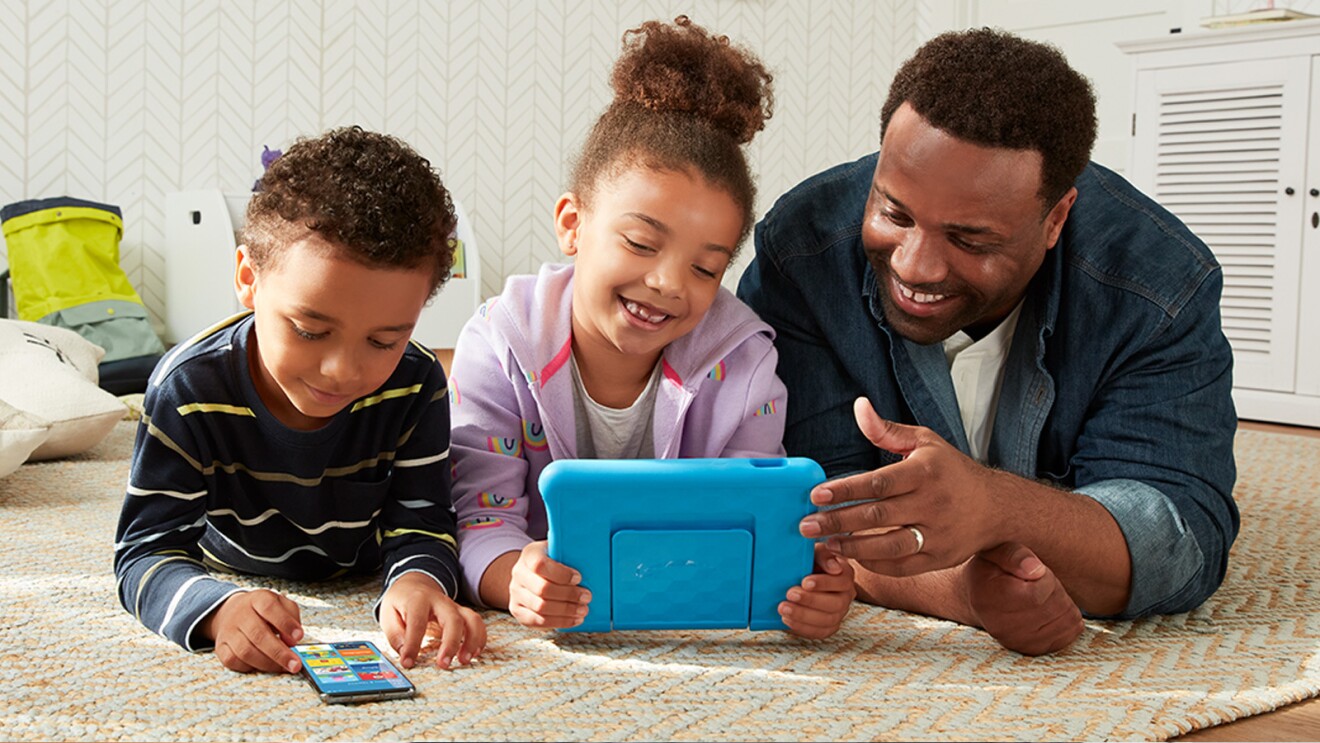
x=681 y=543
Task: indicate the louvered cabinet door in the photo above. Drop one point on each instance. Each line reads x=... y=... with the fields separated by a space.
x=1220 y=145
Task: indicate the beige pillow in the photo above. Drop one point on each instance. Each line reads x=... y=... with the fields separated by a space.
x=51 y=373
x=20 y=434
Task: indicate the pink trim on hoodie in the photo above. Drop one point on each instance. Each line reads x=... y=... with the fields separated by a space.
x=529 y=327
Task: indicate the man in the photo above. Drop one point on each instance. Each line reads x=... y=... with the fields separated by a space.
x=1019 y=352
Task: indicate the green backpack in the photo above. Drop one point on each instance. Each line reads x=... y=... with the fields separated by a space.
x=64 y=265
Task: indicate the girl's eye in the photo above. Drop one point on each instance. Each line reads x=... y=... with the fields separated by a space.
x=638 y=246
x=704 y=272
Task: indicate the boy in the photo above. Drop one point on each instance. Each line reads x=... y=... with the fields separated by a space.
x=309 y=437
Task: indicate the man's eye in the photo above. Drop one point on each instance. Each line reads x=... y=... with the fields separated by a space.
x=898 y=218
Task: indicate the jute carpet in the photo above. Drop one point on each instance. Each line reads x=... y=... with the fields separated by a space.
x=74 y=665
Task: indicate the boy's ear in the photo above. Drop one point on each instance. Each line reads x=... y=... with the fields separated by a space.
x=245 y=277
x=568 y=220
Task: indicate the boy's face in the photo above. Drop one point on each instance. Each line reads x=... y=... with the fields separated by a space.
x=328 y=330
x=649 y=254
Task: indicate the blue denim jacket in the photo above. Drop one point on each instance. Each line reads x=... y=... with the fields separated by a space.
x=1117 y=384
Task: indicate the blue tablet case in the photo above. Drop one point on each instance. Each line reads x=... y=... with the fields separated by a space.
x=681 y=543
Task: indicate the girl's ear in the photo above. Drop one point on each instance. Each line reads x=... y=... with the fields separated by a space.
x=245 y=277
x=568 y=220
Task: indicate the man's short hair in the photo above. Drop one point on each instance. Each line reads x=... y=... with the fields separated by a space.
x=994 y=89
x=368 y=194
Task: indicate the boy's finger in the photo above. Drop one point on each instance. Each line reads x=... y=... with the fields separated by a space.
x=451 y=632
x=392 y=625
x=266 y=652
x=283 y=617
x=414 y=621
x=474 y=639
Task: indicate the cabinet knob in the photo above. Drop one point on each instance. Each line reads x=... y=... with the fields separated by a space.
x=1289 y=190
x=1315 y=192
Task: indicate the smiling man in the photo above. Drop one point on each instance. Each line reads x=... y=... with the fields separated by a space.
x=1009 y=357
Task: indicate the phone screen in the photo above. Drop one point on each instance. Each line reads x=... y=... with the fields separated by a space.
x=352 y=671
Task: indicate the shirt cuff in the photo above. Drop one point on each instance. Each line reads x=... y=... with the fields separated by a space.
x=1165 y=554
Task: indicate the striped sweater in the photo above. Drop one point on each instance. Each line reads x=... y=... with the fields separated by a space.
x=218 y=482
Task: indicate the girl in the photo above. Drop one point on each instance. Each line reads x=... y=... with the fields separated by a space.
x=635 y=350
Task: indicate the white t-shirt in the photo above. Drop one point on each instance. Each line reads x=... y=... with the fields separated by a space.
x=614 y=433
x=977 y=369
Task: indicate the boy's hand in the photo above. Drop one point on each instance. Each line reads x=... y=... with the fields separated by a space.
x=409 y=607
x=817 y=607
x=253 y=631
x=545 y=593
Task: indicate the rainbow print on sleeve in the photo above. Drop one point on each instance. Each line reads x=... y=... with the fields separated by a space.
x=534 y=436
x=482 y=522
x=717 y=373
x=766 y=409
x=491 y=500
x=509 y=446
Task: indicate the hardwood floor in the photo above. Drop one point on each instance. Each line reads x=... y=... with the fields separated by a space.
x=1296 y=722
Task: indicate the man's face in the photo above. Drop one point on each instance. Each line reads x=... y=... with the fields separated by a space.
x=953 y=230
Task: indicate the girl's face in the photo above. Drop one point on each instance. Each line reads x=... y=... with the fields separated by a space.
x=650 y=251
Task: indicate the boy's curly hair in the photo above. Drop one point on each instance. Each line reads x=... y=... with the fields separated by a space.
x=995 y=89
x=369 y=194
x=682 y=99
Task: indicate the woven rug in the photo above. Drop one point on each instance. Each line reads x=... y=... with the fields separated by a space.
x=75 y=666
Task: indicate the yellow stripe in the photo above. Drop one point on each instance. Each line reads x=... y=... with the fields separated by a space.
x=215 y=407
x=386 y=395
x=425 y=351
x=400 y=532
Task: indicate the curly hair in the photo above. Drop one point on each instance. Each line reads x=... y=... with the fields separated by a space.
x=995 y=89
x=369 y=194
x=682 y=99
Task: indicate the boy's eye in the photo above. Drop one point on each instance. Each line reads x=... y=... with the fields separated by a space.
x=305 y=334
x=381 y=345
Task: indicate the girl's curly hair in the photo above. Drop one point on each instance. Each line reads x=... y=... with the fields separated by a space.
x=370 y=195
x=682 y=99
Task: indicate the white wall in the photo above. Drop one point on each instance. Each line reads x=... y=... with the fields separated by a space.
x=125 y=101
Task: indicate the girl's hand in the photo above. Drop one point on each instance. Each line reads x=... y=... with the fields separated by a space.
x=817 y=607
x=545 y=593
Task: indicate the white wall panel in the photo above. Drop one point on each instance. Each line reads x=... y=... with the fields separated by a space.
x=128 y=100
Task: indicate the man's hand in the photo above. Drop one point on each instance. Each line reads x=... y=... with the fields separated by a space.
x=416 y=602
x=932 y=510
x=545 y=593
x=254 y=630
x=1032 y=615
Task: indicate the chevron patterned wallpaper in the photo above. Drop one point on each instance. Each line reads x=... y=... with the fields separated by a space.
x=126 y=101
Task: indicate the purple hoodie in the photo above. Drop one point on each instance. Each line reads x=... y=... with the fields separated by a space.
x=511 y=391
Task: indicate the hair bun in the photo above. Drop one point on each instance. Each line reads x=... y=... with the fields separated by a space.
x=681 y=68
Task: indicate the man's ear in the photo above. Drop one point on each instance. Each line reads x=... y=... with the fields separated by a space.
x=568 y=220
x=245 y=277
x=1057 y=216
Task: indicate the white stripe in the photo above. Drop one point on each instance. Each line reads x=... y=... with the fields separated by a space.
x=133 y=490
x=154 y=537
x=416 y=503
x=401 y=563
x=423 y=461
x=304 y=548
x=273 y=512
x=174 y=602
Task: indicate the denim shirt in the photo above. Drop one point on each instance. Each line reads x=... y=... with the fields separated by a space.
x=1117 y=385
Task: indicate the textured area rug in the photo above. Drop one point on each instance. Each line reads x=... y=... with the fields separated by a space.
x=75 y=666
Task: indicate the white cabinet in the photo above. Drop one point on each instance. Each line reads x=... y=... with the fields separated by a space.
x=1226 y=134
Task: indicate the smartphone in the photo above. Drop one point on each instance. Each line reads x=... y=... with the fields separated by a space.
x=347 y=672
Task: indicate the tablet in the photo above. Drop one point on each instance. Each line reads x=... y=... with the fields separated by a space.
x=681 y=543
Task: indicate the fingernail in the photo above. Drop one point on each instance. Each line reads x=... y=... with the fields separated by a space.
x=576 y=579
x=407 y=662
x=809 y=584
x=1031 y=567
x=297 y=634
x=584 y=597
x=785 y=609
x=833 y=566
x=822 y=495
x=582 y=611
x=809 y=528
x=464 y=658
x=794 y=594
x=444 y=661
x=293 y=666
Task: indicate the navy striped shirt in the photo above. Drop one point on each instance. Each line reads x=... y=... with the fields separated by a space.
x=218 y=482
